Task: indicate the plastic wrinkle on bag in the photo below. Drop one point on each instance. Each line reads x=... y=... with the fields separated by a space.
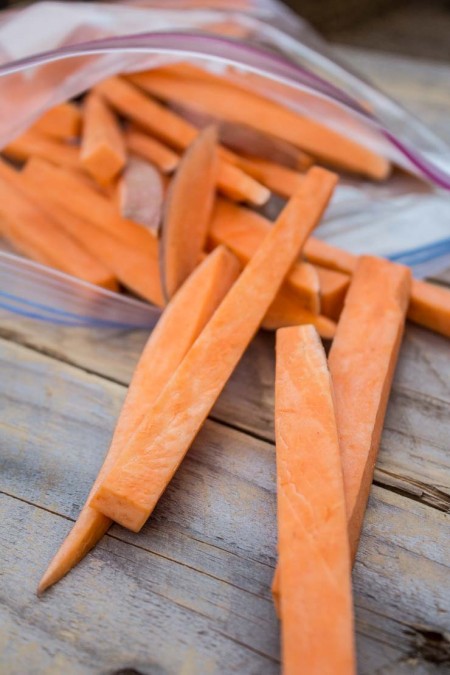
x=39 y=292
x=50 y=52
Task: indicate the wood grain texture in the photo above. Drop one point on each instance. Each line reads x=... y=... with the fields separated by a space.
x=414 y=450
x=200 y=570
x=420 y=85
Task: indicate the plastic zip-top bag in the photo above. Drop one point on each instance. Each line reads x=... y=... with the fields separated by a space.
x=53 y=51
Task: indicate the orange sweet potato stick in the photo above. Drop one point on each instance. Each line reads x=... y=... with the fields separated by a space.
x=230 y=102
x=188 y=211
x=152 y=150
x=190 y=309
x=245 y=140
x=429 y=304
x=277 y=178
x=130 y=491
x=102 y=145
x=286 y=310
x=362 y=362
x=173 y=129
x=243 y=230
x=238 y=185
x=326 y=255
x=129 y=264
x=140 y=194
x=139 y=268
x=34 y=144
x=38 y=234
x=333 y=289
x=314 y=561
x=83 y=201
x=62 y=122
x=147 y=113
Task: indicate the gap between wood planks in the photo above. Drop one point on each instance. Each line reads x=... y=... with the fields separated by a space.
x=425 y=493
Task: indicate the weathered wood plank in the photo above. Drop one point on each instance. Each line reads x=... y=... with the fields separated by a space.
x=420 y=85
x=413 y=456
x=200 y=571
x=128 y=609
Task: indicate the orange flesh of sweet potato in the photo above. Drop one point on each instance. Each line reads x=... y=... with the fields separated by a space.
x=362 y=362
x=333 y=289
x=190 y=308
x=129 y=265
x=430 y=306
x=248 y=141
x=314 y=561
x=34 y=144
x=225 y=100
x=173 y=129
x=286 y=310
x=326 y=255
x=137 y=265
x=132 y=488
x=279 y=179
x=102 y=146
x=62 y=122
x=38 y=234
x=152 y=150
x=187 y=211
x=243 y=231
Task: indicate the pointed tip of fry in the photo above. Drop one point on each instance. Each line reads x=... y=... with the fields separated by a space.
x=54 y=573
x=44 y=584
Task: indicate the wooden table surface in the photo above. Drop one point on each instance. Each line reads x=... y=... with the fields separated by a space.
x=190 y=594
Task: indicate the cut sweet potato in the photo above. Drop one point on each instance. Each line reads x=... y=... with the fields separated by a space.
x=314 y=562
x=188 y=211
x=329 y=256
x=130 y=491
x=245 y=140
x=242 y=231
x=138 y=269
x=286 y=310
x=362 y=361
x=147 y=113
x=333 y=289
x=227 y=101
x=38 y=234
x=129 y=264
x=191 y=308
x=152 y=150
x=279 y=179
x=102 y=145
x=173 y=129
x=62 y=122
x=34 y=144
x=430 y=306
